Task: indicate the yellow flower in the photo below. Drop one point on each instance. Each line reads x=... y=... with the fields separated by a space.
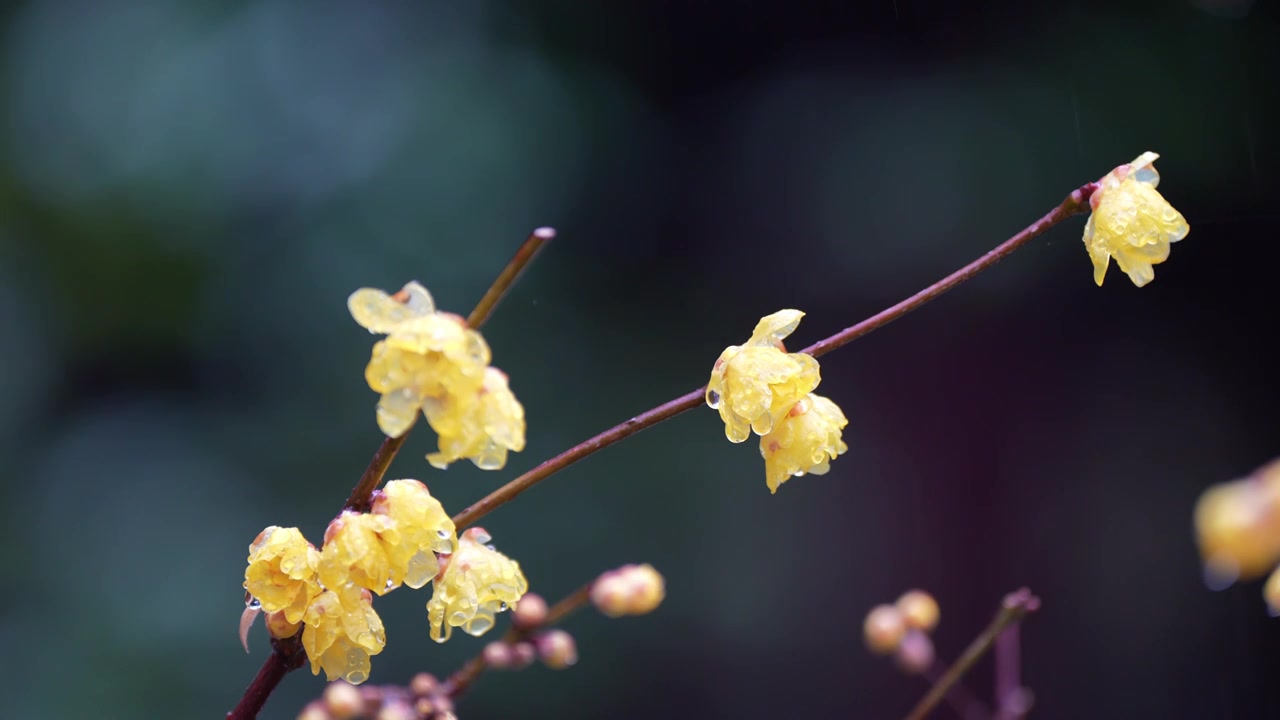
x=354 y=552
x=481 y=426
x=1238 y=526
x=282 y=571
x=421 y=528
x=628 y=590
x=1271 y=593
x=755 y=384
x=427 y=355
x=340 y=631
x=805 y=440
x=477 y=583
x=1131 y=222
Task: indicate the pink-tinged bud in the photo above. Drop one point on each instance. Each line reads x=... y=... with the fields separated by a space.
x=522 y=655
x=628 y=590
x=530 y=612
x=498 y=655
x=397 y=710
x=444 y=706
x=424 y=684
x=883 y=629
x=915 y=654
x=557 y=649
x=314 y=710
x=343 y=701
x=371 y=695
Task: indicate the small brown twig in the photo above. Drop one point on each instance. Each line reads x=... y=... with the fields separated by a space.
x=287 y=655
x=461 y=681
x=961 y=699
x=1076 y=202
x=1015 y=606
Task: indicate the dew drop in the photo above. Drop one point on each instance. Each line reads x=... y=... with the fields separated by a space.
x=713 y=399
x=442 y=534
x=491 y=547
x=390 y=585
x=251 y=601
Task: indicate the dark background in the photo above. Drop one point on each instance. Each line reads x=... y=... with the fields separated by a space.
x=188 y=192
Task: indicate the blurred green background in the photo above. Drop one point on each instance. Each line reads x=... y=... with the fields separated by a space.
x=189 y=192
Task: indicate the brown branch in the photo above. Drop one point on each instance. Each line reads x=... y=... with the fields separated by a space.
x=461 y=681
x=1076 y=202
x=1016 y=605
x=286 y=656
x=959 y=697
x=279 y=663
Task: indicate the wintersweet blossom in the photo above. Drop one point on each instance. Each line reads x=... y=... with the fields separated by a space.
x=282 y=572
x=1238 y=526
x=354 y=552
x=805 y=440
x=481 y=426
x=753 y=385
x=477 y=583
x=341 y=631
x=420 y=529
x=1131 y=222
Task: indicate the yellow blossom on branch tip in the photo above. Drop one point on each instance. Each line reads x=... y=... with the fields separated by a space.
x=355 y=552
x=805 y=440
x=341 y=631
x=282 y=571
x=1238 y=526
x=754 y=384
x=421 y=528
x=477 y=583
x=1131 y=222
x=482 y=426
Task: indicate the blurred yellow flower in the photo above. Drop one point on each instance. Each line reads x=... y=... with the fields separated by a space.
x=477 y=583
x=420 y=529
x=354 y=552
x=1131 y=222
x=341 y=631
x=481 y=426
x=1271 y=593
x=1238 y=526
x=282 y=571
x=755 y=384
x=805 y=440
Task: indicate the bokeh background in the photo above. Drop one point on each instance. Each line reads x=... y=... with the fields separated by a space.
x=189 y=191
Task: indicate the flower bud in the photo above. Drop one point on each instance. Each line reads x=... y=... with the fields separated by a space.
x=522 y=655
x=498 y=655
x=424 y=684
x=884 y=629
x=397 y=710
x=314 y=710
x=919 y=609
x=343 y=701
x=915 y=653
x=530 y=612
x=628 y=590
x=557 y=649
x=279 y=626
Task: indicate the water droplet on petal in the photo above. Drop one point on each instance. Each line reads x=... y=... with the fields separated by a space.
x=491 y=547
x=251 y=601
x=442 y=534
x=713 y=399
x=390 y=584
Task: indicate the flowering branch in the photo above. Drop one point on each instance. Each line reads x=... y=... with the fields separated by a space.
x=461 y=681
x=1016 y=605
x=1076 y=202
x=287 y=654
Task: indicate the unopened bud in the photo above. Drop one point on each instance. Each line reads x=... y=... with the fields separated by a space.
x=919 y=609
x=557 y=649
x=498 y=655
x=279 y=627
x=883 y=629
x=397 y=710
x=343 y=701
x=628 y=590
x=314 y=710
x=530 y=612
x=915 y=653
x=522 y=655
x=424 y=684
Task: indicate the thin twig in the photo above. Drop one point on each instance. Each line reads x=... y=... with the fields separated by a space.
x=287 y=655
x=961 y=699
x=1076 y=202
x=459 y=682
x=1016 y=605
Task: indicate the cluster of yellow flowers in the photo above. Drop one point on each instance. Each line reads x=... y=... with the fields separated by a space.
x=1131 y=222
x=405 y=539
x=1238 y=530
x=432 y=362
x=759 y=387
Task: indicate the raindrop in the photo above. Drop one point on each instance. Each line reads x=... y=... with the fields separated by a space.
x=442 y=534
x=713 y=399
x=491 y=547
x=251 y=601
x=390 y=584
